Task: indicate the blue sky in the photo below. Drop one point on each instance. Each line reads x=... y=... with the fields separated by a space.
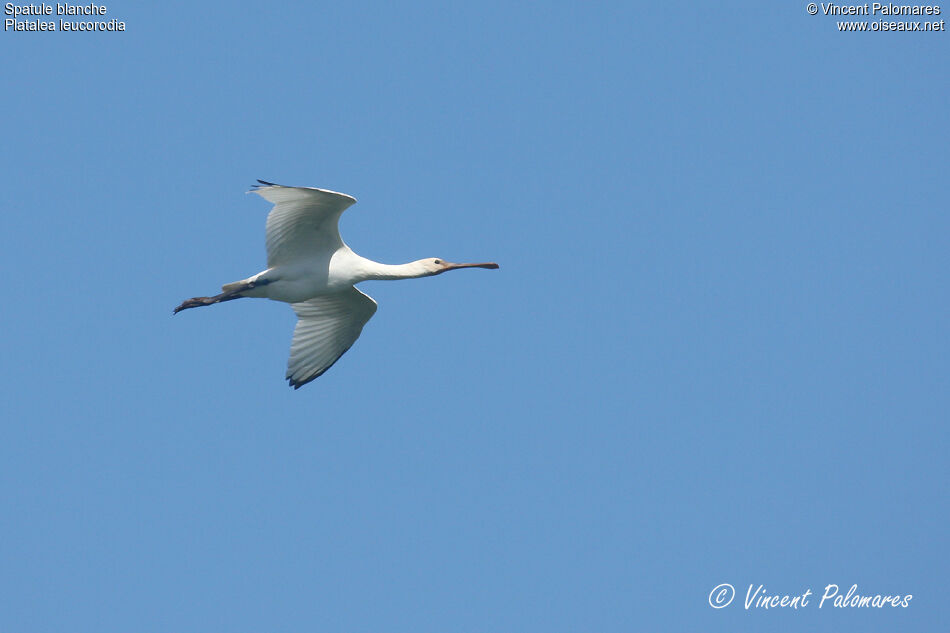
x=715 y=352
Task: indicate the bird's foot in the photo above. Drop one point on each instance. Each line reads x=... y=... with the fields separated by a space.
x=195 y=302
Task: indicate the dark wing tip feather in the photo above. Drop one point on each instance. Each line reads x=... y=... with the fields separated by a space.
x=265 y=183
x=297 y=384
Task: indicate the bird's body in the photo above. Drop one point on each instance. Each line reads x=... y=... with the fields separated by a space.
x=317 y=275
x=309 y=267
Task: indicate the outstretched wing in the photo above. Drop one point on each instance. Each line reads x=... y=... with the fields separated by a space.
x=303 y=221
x=327 y=326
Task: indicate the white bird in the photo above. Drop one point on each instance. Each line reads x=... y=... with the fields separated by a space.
x=311 y=268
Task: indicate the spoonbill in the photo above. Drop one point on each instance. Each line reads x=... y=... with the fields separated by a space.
x=311 y=268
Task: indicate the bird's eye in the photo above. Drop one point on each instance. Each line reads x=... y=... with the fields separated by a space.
x=438 y=261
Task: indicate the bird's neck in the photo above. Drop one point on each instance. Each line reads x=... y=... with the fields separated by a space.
x=375 y=270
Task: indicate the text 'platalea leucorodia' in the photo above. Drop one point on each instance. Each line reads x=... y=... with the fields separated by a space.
x=309 y=267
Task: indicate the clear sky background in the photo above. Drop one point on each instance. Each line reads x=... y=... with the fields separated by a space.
x=715 y=352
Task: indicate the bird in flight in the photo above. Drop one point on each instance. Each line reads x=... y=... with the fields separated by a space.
x=311 y=268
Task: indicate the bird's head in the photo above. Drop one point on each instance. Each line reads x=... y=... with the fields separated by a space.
x=437 y=266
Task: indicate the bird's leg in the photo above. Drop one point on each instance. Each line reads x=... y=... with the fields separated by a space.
x=197 y=302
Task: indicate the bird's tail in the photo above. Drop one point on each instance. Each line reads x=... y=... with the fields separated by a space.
x=235 y=286
x=246 y=284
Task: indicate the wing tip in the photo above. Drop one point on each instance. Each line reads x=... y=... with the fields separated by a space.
x=297 y=384
x=260 y=185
